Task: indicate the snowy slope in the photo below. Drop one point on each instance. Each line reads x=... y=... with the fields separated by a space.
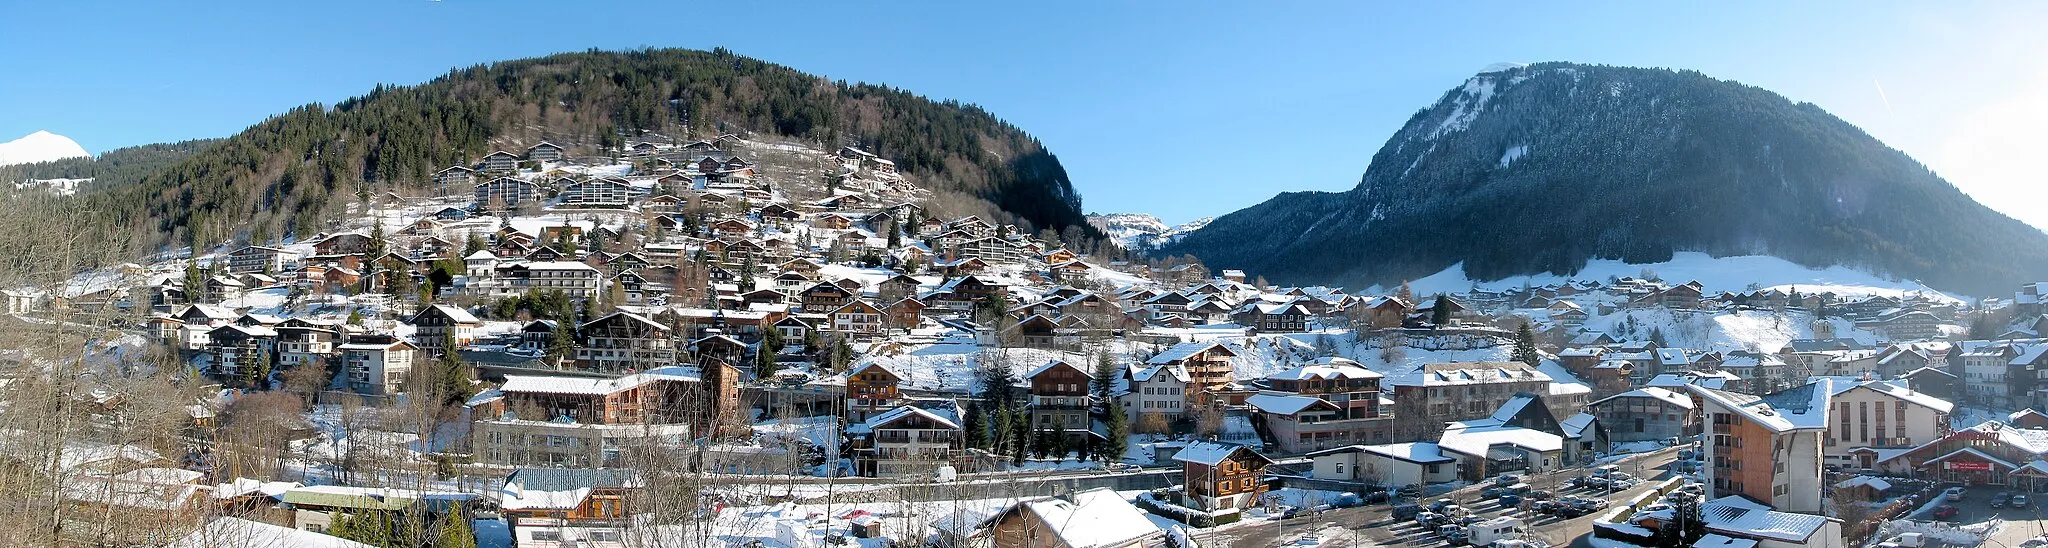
x=41 y=146
x=1716 y=274
x=1142 y=231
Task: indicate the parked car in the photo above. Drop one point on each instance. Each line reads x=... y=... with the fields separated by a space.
x=2018 y=501
x=1440 y=504
x=1376 y=497
x=1455 y=535
x=1407 y=511
x=1510 y=501
x=1491 y=492
x=1946 y=513
x=1952 y=494
x=1998 y=500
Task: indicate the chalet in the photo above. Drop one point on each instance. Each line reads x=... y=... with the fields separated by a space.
x=1221 y=475
x=908 y=441
x=855 y=318
x=376 y=366
x=583 y=422
x=437 y=326
x=498 y=162
x=1328 y=403
x=624 y=342
x=346 y=243
x=732 y=228
x=871 y=389
x=257 y=259
x=455 y=176
x=1095 y=518
x=825 y=297
x=598 y=193
x=568 y=504
x=644 y=148
x=1392 y=465
x=544 y=152
x=504 y=193
x=906 y=313
x=1387 y=312
x=1268 y=317
x=1207 y=364
x=793 y=329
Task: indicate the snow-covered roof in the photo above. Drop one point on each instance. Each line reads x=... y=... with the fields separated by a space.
x=1283 y=404
x=1145 y=373
x=559 y=488
x=1211 y=452
x=1575 y=426
x=1442 y=374
x=1420 y=452
x=1713 y=540
x=1096 y=518
x=1903 y=393
x=1476 y=441
x=1055 y=363
x=1660 y=394
x=1802 y=407
x=1873 y=481
x=1326 y=369
x=593 y=386
x=233 y=531
x=1740 y=516
x=1183 y=351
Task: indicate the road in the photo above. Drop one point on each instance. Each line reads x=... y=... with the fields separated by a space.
x=1372 y=525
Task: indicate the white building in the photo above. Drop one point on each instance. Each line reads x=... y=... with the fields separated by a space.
x=1393 y=465
x=377 y=368
x=1881 y=415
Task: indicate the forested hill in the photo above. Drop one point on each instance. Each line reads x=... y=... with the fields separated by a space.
x=1540 y=168
x=289 y=172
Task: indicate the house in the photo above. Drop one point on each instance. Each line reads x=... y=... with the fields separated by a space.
x=908 y=441
x=498 y=161
x=1873 y=416
x=1059 y=398
x=1387 y=465
x=907 y=313
x=583 y=500
x=1646 y=414
x=436 y=327
x=1522 y=435
x=1387 y=312
x=256 y=259
x=1268 y=317
x=376 y=365
x=1331 y=402
x=855 y=318
x=544 y=152
x=1769 y=447
x=583 y=421
x=1444 y=392
x=871 y=389
x=1095 y=518
x=1735 y=522
x=1219 y=475
x=825 y=297
x=455 y=176
x=624 y=342
x=598 y=193
x=1152 y=395
x=305 y=342
x=241 y=355
x=1206 y=362
x=505 y=193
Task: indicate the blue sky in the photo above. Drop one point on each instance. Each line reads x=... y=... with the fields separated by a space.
x=1141 y=101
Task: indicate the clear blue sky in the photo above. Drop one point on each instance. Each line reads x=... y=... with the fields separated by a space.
x=1143 y=102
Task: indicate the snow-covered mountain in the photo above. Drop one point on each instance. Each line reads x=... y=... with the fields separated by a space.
x=41 y=146
x=1142 y=231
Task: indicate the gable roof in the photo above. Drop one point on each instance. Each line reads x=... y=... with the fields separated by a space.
x=1212 y=452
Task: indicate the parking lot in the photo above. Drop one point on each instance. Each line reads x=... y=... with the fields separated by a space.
x=2021 y=523
x=1374 y=525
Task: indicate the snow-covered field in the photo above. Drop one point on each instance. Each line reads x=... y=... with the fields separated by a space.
x=1716 y=274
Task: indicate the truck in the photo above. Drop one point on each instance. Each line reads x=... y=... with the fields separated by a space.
x=1501 y=528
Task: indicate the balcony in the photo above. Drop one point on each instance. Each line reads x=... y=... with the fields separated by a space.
x=1723 y=428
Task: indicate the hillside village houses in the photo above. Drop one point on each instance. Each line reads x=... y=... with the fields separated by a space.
x=702 y=296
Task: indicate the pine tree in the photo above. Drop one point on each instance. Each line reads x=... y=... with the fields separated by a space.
x=1105 y=377
x=1060 y=444
x=1406 y=295
x=195 y=284
x=454 y=530
x=1020 y=435
x=1525 y=346
x=1000 y=429
x=976 y=425
x=1657 y=337
x=1041 y=443
x=1119 y=434
x=895 y=234
x=377 y=243
x=1440 y=313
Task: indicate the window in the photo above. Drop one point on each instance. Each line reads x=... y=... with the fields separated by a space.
x=1340 y=468
x=1247 y=484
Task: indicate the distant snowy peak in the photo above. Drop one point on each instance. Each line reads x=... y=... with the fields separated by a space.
x=41 y=146
x=1142 y=231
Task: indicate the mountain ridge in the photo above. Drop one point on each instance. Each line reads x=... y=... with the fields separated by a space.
x=40 y=147
x=1546 y=167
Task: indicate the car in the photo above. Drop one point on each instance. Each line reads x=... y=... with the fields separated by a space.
x=1510 y=500
x=1296 y=512
x=1407 y=511
x=1952 y=494
x=1946 y=513
x=1376 y=497
x=1998 y=500
x=1491 y=492
x=1440 y=504
x=1507 y=479
x=1685 y=454
x=2017 y=501
x=1455 y=535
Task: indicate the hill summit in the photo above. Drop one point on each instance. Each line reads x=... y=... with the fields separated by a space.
x=1542 y=168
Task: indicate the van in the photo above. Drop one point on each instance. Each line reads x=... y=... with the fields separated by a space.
x=1407 y=511
x=1606 y=470
x=1500 y=528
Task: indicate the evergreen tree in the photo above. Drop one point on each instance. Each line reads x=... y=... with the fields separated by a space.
x=1001 y=429
x=1119 y=434
x=1060 y=444
x=195 y=283
x=1404 y=294
x=975 y=422
x=454 y=531
x=1440 y=312
x=1105 y=377
x=1525 y=345
x=1041 y=443
x=1020 y=435
x=377 y=243
x=1657 y=337
x=895 y=234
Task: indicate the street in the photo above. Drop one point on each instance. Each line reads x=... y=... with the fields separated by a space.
x=1372 y=525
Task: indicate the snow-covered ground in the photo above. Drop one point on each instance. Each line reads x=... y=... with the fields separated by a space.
x=1753 y=330
x=1714 y=274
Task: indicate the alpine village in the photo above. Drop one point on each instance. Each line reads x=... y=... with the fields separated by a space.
x=697 y=329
